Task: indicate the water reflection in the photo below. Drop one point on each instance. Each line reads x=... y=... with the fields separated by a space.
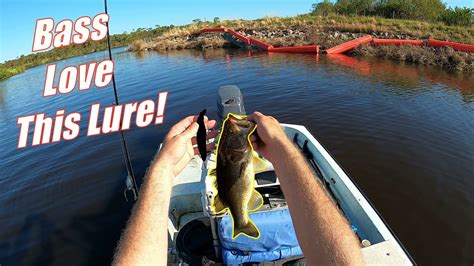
x=399 y=73
x=407 y=76
x=403 y=132
x=361 y=67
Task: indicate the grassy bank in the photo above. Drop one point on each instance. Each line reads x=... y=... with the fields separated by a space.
x=19 y=65
x=354 y=24
x=444 y=57
x=326 y=31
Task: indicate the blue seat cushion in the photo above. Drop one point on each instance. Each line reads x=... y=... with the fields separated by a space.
x=277 y=239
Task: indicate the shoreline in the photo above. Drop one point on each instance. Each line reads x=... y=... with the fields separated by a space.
x=444 y=57
x=306 y=29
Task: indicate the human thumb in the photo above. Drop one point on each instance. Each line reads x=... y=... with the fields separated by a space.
x=191 y=131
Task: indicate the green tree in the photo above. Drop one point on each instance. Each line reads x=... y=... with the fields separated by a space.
x=354 y=7
x=458 y=16
x=429 y=10
x=12 y=67
x=323 y=8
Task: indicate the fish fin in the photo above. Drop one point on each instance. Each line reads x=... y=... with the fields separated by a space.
x=212 y=172
x=258 y=163
x=219 y=206
x=255 y=202
x=250 y=229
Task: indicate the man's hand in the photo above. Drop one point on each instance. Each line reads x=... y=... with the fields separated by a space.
x=178 y=148
x=312 y=211
x=137 y=245
x=270 y=135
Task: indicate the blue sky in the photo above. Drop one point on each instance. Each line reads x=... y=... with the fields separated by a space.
x=17 y=17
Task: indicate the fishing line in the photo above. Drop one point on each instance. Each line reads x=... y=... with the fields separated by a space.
x=130 y=182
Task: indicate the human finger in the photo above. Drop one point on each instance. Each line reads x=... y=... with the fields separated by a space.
x=181 y=126
x=255 y=117
x=210 y=124
x=210 y=135
x=190 y=131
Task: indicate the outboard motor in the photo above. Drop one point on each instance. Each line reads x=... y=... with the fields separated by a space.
x=229 y=100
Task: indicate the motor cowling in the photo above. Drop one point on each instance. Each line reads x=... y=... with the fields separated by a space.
x=229 y=100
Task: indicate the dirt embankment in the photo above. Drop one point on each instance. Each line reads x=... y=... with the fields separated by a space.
x=326 y=38
x=445 y=57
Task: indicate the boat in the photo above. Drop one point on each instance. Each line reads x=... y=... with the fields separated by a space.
x=197 y=236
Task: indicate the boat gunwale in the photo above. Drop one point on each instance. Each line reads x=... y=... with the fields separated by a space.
x=380 y=224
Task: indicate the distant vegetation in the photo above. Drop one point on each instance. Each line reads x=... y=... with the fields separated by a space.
x=416 y=18
x=330 y=22
x=424 y=10
x=457 y=16
x=19 y=65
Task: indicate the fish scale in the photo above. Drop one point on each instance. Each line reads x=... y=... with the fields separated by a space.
x=234 y=176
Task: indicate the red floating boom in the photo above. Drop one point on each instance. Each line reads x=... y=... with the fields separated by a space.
x=397 y=42
x=231 y=31
x=344 y=47
x=265 y=46
x=239 y=36
x=296 y=49
x=455 y=45
x=262 y=45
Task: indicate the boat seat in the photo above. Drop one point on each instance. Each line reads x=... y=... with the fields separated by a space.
x=277 y=239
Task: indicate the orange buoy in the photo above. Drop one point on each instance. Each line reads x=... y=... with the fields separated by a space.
x=239 y=36
x=259 y=44
x=397 y=42
x=296 y=49
x=344 y=47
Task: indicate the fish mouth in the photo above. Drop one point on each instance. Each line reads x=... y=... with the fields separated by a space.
x=242 y=123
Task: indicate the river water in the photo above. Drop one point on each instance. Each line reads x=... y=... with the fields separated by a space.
x=404 y=133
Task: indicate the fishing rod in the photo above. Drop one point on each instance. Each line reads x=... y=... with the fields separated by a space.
x=130 y=182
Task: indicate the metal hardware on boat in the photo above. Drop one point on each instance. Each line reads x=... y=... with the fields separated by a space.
x=129 y=186
x=365 y=243
x=215 y=238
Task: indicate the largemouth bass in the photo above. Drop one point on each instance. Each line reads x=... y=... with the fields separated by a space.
x=235 y=175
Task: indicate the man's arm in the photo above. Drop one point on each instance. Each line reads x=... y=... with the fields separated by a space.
x=145 y=239
x=322 y=231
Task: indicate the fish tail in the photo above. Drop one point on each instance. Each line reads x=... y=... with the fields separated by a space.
x=250 y=229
